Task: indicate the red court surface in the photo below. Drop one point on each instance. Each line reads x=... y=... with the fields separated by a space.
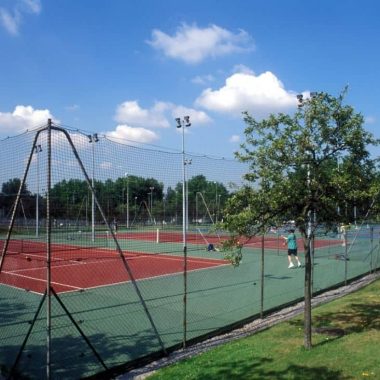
x=270 y=242
x=274 y=243
x=91 y=267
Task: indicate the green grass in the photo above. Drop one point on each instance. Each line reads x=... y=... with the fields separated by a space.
x=278 y=352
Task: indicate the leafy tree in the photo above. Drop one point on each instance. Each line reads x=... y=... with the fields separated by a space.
x=294 y=172
x=9 y=191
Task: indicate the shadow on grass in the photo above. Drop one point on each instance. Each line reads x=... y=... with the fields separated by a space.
x=254 y=370
x=356 y=318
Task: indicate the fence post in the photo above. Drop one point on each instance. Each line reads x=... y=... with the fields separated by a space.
x=262 y=277
x=345 y=257
x=371 y=237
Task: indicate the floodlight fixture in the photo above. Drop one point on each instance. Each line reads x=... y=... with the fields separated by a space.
x=187 y=121
x=93 y=138
x=37 y=148
x=178 y=120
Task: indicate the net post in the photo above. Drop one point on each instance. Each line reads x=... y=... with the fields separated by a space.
x=158 y=235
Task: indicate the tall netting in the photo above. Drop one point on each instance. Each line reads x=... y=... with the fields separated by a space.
x=97 y=270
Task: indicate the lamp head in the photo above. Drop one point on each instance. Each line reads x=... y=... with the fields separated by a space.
x=178 y=120
x=187 y=121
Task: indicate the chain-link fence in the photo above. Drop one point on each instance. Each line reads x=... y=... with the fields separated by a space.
x=104 y=262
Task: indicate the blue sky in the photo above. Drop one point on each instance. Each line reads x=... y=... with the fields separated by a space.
x=128 y=68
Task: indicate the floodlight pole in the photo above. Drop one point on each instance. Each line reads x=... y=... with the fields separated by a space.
x=93 y=139
x=126 y=176
x=37 y=150
x=216 y=201
x=309 y=226
x=182 y=124
x=151 y=203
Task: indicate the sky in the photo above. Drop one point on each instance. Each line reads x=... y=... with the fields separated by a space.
x=128 y=69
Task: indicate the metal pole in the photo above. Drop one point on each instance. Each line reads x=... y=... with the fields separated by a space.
x=151 y=203
x=127 y=202
x=183 y=124
x=37 y=151
x=184 y=238
x=93 y=139
x=345 y=257
x=48 y=258
x=262 y=277
x=371 y=239
x=92 y=194
x=216 y=202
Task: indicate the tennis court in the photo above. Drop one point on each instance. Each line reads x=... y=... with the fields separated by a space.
x=74 y=268
x=96 y=308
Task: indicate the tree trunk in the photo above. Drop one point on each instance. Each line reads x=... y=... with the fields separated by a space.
x=307 y=308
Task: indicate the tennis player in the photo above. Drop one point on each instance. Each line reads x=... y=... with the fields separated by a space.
x=291 y=240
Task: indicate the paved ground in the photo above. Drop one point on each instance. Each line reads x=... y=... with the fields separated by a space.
x=249 y=329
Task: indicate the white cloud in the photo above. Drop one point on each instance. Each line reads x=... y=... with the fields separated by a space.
x=22 y=118
x=11 y=19
x=370 y=119
x=72 y=108
x=257 y=94
x=161 y=115
x=131 y=113
x=243 y=69
x=192 y=44
x=138 y=135
x=32 y=6
x=196 y=117
x=203 y=79
x=234 y=138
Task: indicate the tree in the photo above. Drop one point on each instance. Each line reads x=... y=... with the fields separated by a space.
x=294 y=172
x=9 y=191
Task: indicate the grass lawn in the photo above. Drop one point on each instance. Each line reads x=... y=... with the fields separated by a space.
x=278 y=352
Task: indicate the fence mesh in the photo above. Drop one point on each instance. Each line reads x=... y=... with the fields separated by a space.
x=93 y=273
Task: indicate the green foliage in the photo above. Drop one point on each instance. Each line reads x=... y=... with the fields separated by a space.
x=231 y=250
x=315 y=160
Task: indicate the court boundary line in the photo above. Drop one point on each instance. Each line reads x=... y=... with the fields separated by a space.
x=145 y=278
x=36 y=279
x=214 y=262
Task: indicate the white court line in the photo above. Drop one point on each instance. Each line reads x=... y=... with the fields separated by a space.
x=71 y=264
x=147 y=278
x=40 y=280
x=137 y=256
x=175 y=258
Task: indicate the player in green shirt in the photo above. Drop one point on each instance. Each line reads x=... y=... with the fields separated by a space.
x=291 y=240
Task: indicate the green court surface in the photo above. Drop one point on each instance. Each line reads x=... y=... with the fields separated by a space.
x=116 y=324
